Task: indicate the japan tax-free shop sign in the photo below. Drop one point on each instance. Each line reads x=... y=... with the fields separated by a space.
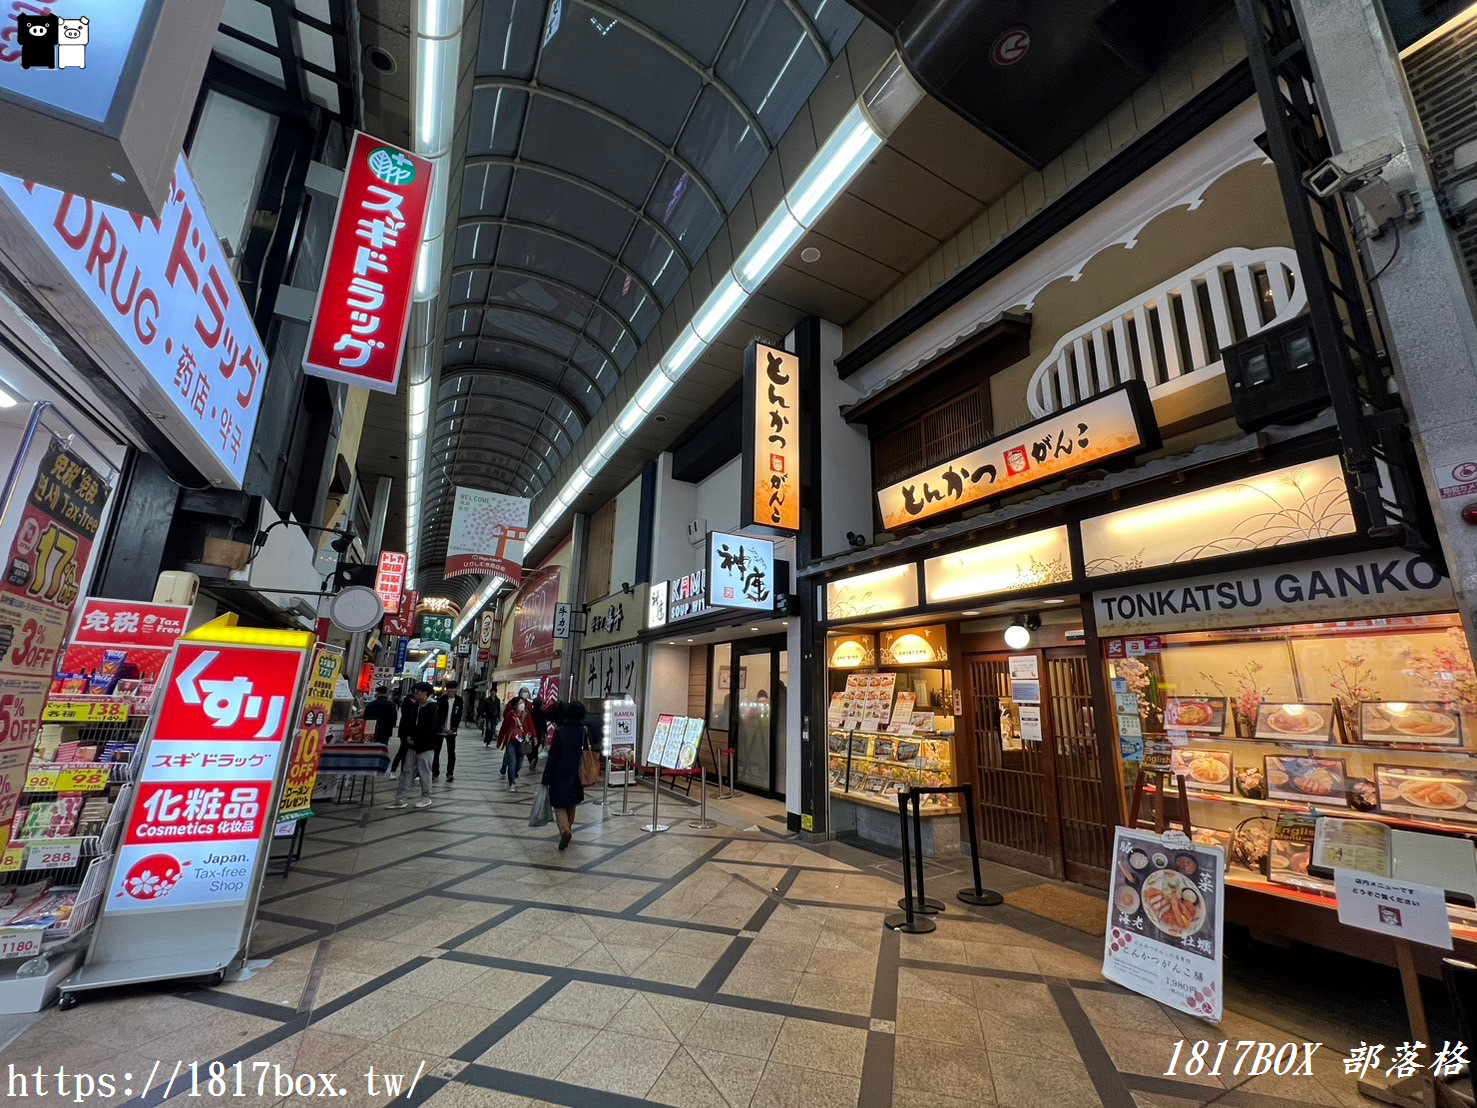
x=187 y=869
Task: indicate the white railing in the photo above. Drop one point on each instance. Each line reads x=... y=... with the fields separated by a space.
x=1172 y=336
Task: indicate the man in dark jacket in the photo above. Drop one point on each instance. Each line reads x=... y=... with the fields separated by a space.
x=381 y=712
x=424 y=738
x=449 y=720
x=406 y=730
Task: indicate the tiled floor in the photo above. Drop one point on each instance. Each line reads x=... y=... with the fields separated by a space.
x=725 y=968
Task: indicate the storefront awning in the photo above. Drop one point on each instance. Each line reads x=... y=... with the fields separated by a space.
x=1072 y=493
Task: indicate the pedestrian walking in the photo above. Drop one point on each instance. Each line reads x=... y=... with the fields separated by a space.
x=544 y=723
x=423 y=739
x=517 y=729
x=562 y=769
x=381 y=712
x=408 y=710
x=450 y=721
x=492 y=709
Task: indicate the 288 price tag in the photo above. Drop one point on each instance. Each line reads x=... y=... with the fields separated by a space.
x=54 y=854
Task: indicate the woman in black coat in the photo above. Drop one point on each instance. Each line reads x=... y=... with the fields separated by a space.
x=562 y=769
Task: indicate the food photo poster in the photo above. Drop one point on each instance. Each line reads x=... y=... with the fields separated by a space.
x=1166 y=917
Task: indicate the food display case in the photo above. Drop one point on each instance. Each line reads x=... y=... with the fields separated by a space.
x=890 y=722
x=1275 y=727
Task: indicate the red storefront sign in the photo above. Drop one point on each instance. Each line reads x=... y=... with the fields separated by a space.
x=363 y=310
x=533 y=617
x=402 y=623
x=204 y=799
x=229 y=694
x=127 y=623
x=389 y=582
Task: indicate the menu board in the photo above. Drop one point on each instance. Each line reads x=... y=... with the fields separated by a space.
x=903 y=709
x=657 y=751
x=1166 y=916
x=686 y=751
x=868 y=699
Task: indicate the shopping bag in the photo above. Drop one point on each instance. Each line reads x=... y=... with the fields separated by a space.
x=589 y=768
x=543 y=811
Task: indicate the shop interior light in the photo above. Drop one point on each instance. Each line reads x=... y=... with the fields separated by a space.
x=835 y=164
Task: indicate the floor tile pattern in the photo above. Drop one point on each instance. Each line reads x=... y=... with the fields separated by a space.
x=724 y=968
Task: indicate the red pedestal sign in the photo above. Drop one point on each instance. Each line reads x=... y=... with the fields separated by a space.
x=205 y=796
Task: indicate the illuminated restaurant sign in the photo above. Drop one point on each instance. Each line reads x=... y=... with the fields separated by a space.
x=1115 y=424
x=771 y=423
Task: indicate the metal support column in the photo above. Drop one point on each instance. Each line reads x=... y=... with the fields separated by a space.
x=1420 y=288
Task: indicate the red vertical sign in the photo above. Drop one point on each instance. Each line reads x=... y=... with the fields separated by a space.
x=363 y=309
x=389 y=582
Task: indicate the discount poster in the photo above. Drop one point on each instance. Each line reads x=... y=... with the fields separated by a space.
x=302 y=771
x=54 y=510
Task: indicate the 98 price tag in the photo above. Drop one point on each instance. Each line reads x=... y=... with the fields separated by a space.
x=12 y=858
x=87 y=780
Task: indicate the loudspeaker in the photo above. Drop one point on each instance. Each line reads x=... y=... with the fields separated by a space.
x=1276 y=376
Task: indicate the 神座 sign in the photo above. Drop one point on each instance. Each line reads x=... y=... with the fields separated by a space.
x=1113 y=424
x=363 y=310
x=771 y=422
x=487 y=533
x=740 y=572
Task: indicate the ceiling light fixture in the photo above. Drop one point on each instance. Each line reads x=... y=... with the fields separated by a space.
x=1018 y=634
x=862 y=131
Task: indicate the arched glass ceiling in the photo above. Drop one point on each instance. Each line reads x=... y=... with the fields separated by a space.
x=604 y=151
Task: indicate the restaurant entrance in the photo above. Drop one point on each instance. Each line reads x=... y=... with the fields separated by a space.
x=749 y=697
x=1040 y=797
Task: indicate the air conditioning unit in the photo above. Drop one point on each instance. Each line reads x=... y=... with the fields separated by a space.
x=1276 y=376
x=697 y=531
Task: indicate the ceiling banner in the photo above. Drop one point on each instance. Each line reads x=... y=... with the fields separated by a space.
x=1116 y=424
x=487 y=533
x=363 y=309
x=771 y=439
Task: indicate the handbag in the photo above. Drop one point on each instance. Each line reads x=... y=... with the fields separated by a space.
x=589 y=768
x=543 y=809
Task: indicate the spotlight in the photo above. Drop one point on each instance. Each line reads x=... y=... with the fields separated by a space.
x=1018 y=634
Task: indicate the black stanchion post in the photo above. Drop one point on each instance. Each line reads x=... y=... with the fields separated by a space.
x=905 y=920
x=924 y=905
x=985 y=898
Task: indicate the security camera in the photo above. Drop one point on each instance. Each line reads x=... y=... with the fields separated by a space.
x=1349 y=169
x=856 y=540
x=626 y=588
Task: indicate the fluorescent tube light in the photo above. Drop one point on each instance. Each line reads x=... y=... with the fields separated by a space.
x=780 y=232
x=683 y=353
x=720 y=307
x=834 y=164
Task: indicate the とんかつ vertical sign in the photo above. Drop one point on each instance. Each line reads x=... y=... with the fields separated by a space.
x=363 y=311
x=771 y=428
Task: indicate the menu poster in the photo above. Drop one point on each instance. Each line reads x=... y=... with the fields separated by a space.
x=836 y=711
x=1030 y=723
x=684 y=752
x=1166 y=917
x=656 y=752
x=1291 y=850
x=1351 y=844
x=903 y=709
x=1427 y=792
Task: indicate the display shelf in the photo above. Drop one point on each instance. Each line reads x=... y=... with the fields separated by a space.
x=1336 y=748
x=1331 y=810
x=890 y=804
x=1239 y=877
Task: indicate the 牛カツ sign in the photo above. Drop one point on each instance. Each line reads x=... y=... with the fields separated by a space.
x=771 y=461
x=1112 y=425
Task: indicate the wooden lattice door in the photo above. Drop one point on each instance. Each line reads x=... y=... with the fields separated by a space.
x=1040 y=805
